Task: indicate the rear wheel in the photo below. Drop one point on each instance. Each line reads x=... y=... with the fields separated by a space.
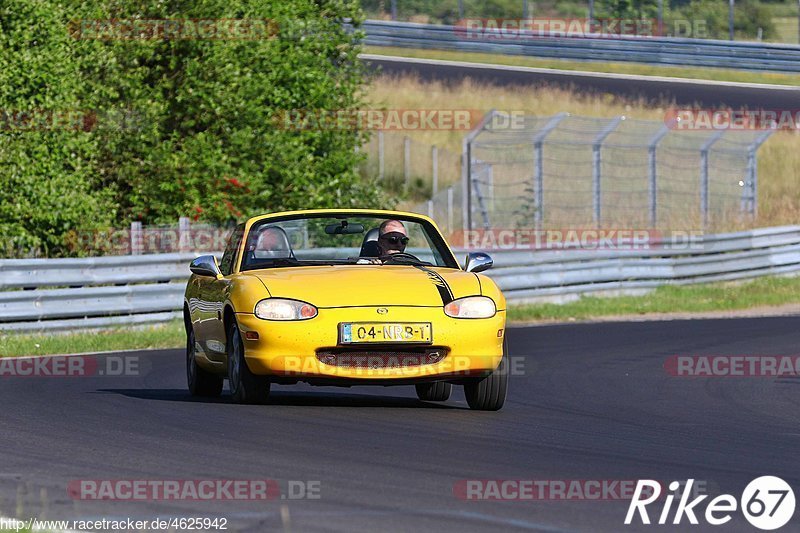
x=489 y=393
x=438 y=391
x=201 y=382
x=245 y=386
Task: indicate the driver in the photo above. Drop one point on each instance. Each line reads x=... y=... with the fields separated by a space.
x=392 y=237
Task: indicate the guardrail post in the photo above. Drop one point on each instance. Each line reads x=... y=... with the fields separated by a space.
x=596 y=170
x=430 y=208
x=653 y=171
x=381 y=155
x=750 y=187
x=704 y=175
x=406 y=162
x=538 y=169
x=137 y=240
x=184 y=234
x=435 y=169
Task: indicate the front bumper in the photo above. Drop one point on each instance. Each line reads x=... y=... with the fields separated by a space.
x=296 y=350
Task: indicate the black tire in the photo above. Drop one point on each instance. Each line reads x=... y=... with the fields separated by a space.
x=489 y=393
x=438 y=391
x=245 y=386
x=201 y=382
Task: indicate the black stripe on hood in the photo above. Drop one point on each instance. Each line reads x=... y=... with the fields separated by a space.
x=445 y=293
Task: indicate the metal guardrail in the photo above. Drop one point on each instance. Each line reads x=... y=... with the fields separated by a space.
x=66 y=294
x=650 y=50
x=563 y=275
x=138 y=290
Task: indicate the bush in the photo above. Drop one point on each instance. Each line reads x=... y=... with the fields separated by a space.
x=48 y=180
x=184 y=127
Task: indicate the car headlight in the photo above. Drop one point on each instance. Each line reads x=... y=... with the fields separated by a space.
x=282 y=309
x=471 y=307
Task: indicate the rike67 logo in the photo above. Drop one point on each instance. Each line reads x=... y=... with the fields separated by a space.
x=767 y=503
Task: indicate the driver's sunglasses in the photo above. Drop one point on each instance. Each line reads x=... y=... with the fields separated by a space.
x=395 y=239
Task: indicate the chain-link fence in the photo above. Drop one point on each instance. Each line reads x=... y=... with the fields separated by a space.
x=573 y=171
x=402 y=163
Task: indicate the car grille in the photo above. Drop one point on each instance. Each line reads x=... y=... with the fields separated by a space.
x=378 y=358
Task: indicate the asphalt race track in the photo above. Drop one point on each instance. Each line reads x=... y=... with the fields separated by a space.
x=586 y=402
x=651 y=88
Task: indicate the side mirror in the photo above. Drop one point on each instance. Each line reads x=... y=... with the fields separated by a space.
x=478 y=262
x=205 y=265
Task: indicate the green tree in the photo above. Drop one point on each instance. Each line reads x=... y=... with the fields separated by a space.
x=184 y=126
x=47 y=172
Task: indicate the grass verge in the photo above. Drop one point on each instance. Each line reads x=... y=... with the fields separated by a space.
x=714 y=74
x=729 y=296
x=168 y=335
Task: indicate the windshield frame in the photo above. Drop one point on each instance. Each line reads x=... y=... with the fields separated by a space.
x=434 y=236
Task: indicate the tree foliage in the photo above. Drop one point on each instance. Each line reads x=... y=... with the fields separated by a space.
x=177 y=126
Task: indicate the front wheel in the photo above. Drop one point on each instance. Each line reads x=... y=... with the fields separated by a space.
x=201 y=382
x=489 y=393
x=245 y=386
x=438 y=391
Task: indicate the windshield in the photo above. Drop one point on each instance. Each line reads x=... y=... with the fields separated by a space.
x=344 y=239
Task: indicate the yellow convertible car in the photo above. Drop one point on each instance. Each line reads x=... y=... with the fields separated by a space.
x=344 y=297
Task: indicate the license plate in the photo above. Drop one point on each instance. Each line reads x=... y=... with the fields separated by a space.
x=383 y=332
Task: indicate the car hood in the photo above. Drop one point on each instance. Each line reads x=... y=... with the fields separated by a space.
x=368 y=285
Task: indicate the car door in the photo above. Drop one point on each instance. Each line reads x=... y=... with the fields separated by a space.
x=215 y=293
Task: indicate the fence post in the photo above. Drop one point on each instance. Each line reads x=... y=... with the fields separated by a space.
x=435 y=168
x=430 y=208
x=704 y=175
x=450 y=210
x=653 y=177
x=596 y=171
x=750 y=187
x=406 y=162
x=137 y=239
x=465 y=163
x=538 y=169
x=490 y=186
x=381 y=155
x=183 y=234
x=476 y=184
x=466 y=168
